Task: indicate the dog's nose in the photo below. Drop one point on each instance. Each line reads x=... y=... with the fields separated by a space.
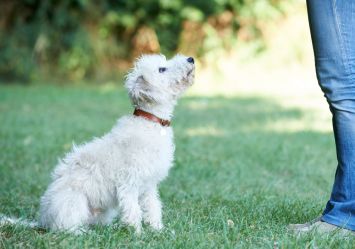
x=191 y=60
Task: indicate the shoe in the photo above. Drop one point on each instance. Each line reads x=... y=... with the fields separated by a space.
x=320 y=227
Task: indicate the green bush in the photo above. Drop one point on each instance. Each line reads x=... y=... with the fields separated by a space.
x=76 y=39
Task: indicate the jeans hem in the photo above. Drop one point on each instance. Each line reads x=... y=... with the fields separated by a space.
x=338 y=222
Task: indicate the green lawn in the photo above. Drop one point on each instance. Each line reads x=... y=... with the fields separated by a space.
x=230 y=166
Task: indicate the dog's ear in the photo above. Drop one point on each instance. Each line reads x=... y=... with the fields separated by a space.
x=141 y=80
x=139 y=92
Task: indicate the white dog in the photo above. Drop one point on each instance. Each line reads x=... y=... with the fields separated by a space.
x=119 y=173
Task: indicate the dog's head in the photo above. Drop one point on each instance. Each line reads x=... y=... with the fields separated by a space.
x=156 y=80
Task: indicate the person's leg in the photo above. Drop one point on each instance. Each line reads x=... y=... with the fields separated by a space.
x=332 y=25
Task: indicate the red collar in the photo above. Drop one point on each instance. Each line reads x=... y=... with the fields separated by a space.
x=151 y=117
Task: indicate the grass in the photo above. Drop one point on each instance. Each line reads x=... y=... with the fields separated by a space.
x=240 y=175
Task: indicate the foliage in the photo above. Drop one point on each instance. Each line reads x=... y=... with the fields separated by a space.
x=81 y=38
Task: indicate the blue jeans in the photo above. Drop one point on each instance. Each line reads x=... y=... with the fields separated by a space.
x=332 y=24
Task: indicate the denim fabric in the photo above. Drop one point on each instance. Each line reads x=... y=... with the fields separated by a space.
x=332 y=24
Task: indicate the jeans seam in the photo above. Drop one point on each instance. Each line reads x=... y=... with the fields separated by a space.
x=341 y=40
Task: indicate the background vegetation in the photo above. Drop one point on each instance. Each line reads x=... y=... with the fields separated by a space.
x=78 y=39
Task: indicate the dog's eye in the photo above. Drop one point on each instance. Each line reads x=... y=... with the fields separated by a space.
x=162 y=69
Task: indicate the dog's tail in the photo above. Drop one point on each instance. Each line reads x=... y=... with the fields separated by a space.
x=6 y=220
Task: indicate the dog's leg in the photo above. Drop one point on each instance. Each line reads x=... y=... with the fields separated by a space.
x=151 y=207
x=130 y=210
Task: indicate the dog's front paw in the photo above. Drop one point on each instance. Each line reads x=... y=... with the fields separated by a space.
x=137 y=226
x=138 y=229
x=156 y=225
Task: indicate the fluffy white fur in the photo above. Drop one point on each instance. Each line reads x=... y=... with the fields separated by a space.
x=119 y=173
